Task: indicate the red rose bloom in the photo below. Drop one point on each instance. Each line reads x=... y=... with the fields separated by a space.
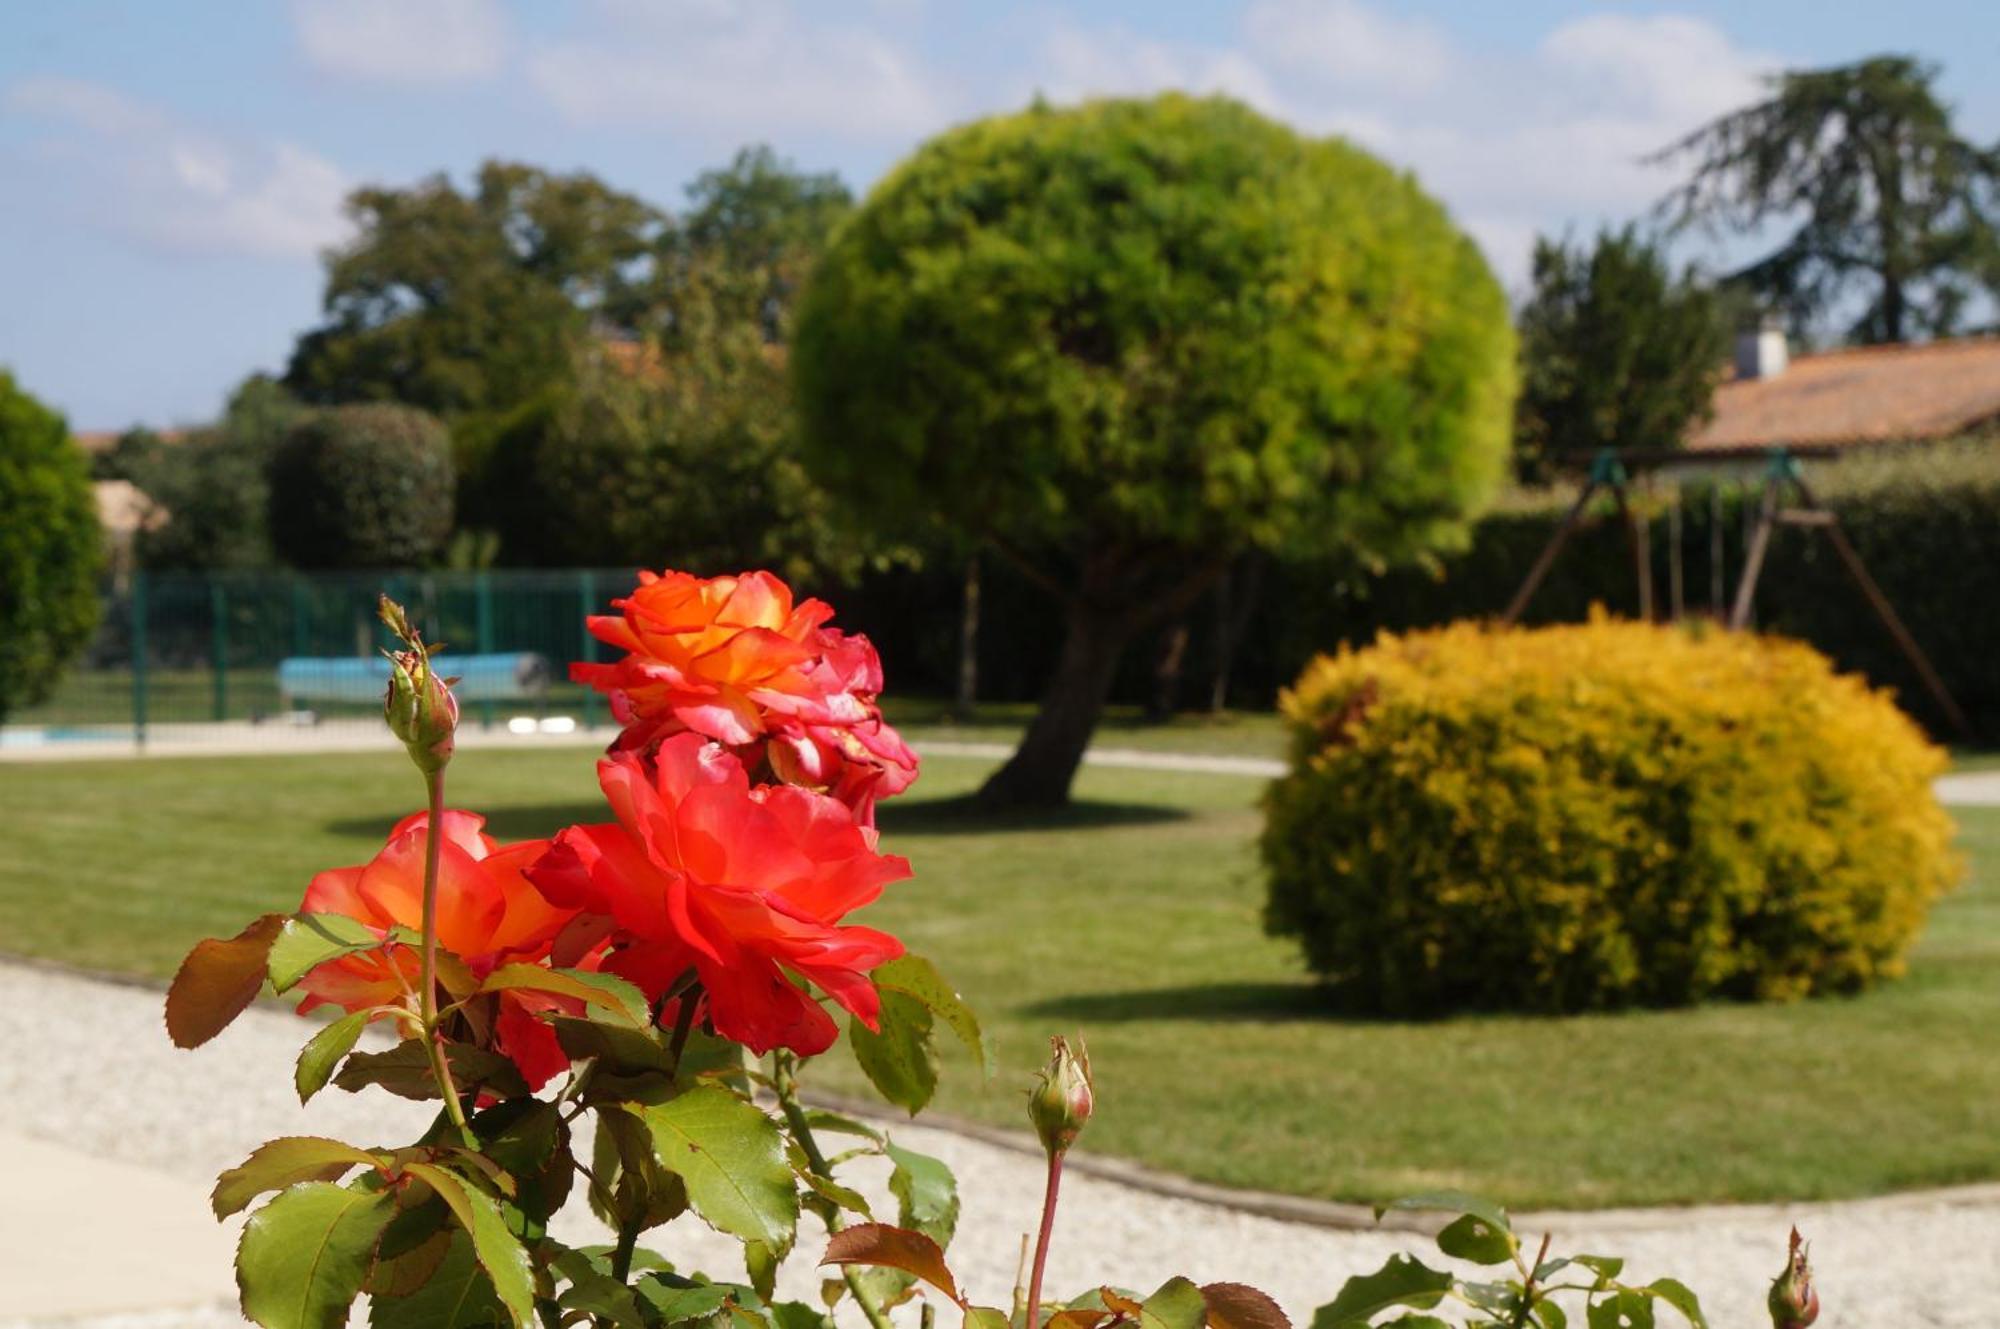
x=741 y=884
x=487 y=915
x=735 y=660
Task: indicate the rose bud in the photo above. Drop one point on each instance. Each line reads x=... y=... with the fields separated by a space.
x=418 y=705
x=1060 y=1105
x=1794 y=1302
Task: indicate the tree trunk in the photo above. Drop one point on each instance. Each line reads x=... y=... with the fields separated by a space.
x=1235 y=601
x=1041 y=770
x=968 y=643
x=1167 y=673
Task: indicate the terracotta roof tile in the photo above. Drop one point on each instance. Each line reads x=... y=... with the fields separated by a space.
x=1866 y=394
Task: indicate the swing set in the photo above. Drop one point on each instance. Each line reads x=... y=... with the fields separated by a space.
x=1787 y=500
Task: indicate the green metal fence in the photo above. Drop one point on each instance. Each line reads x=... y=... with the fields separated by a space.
x=236 y=656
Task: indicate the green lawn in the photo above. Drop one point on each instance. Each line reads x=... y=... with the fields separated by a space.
x=1134 y=918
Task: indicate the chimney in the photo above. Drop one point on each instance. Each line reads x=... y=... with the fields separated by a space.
x=1760 y=351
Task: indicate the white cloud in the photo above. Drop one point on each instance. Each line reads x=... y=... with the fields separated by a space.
x=1514 y=144
x=420 y=42
x=132 y=168
x=1345 y=41
x=759 y=69
x=1077 y=63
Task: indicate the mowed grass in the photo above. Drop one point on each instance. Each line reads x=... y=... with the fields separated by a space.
x=1134 y=918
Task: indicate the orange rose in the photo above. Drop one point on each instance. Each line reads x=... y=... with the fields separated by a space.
x=735 y=660
x=487 y=915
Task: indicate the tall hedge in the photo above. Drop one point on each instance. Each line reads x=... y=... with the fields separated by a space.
x=51 y=548
x=1599 y=815
x=362 y=487
x=1926 y=519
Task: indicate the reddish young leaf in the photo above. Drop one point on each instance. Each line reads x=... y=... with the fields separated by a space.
x=1081 y=1317
x=217 y=980
x=893 y=1248
x=1238 y=1306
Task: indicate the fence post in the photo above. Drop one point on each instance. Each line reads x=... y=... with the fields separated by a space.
x=218 y=611
x=139 y=682
x=483 y=607
x=300 y=642
x=586 y=590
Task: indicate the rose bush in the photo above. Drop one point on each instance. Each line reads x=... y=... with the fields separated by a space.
x=664 y=976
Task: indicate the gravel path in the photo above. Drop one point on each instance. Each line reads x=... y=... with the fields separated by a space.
x=1914 y=1261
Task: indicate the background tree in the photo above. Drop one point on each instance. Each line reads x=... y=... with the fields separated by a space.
x=739 y=253
x=1888 y=204
x=362 y=487
x=51 y=548
x=1125 y=342
x=688 y=460
x=209 y=488
x=1616 y=349
x=468 y=302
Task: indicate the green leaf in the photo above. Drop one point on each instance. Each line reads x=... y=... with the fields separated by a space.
x=760 y=1262
x=276 y=1164
x=677 y=1301
x=594 y=1291
x=520 y=1134
x=405 y=1070
x=1452 y=1202
x=898 y=1056
x=217 y=981
x=732 y=1158
x=985 y=1317
x=1401 y=1282
x=1177 y=1304
x=618 y=1050
x=834 y=1193
x=1551 y=1316
x=302 y=1257
x=604 y=994
x=878 y=1245
x=1606 y=1267
x=918 y=979
x=1470 y=1237
x=1681 y=1297
x=459 y=1295
x=926 y=1193
x=308 y=941
x=1238 y=1306
x=798 y=1315
x=1628 y=1308
x=834 y=1123
x=498 y=1252
x=324 y=1050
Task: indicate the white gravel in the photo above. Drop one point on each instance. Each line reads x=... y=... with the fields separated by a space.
x=87 y=1064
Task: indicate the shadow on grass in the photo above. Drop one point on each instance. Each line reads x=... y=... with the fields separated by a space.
x=967 y=816
x=1198 y=1001
x=937 y=816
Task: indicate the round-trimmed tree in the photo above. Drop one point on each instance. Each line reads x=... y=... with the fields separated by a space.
x=1123 y=342
x=362 y=487
x=51 y=548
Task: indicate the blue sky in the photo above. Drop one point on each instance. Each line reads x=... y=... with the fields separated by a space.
x=172 y=172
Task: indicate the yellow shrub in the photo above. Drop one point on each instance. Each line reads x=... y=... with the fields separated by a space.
x=1598 y=815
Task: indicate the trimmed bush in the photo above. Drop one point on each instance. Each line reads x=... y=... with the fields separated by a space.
x=1598 y=815
x=362 y=487
x=50 y=548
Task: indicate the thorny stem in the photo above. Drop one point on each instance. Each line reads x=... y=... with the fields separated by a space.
x=427 y=987
x=1033 y=1317
x=628 y=1241
x=786 y=1086
x=1528 y=1289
